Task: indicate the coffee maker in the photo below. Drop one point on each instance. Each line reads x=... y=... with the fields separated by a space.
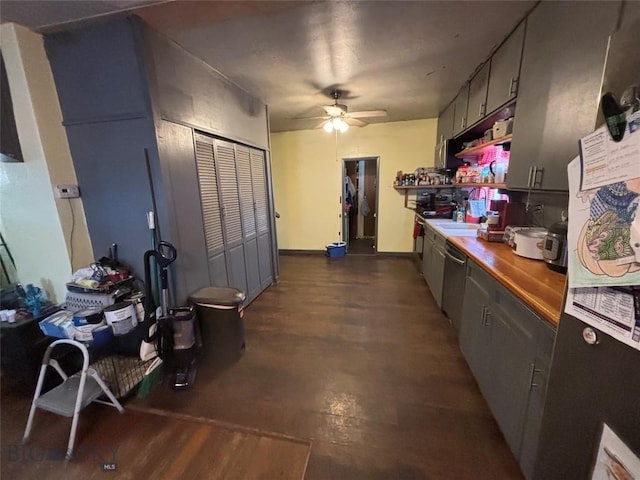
x=509 y=213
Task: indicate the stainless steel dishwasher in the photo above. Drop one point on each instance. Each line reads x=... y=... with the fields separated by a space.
x=454 y=279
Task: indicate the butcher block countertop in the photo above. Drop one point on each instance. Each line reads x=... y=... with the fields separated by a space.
x=532 y=281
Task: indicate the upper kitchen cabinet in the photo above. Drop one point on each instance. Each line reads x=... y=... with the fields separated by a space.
x=562 y=64
x=477 y=105
x=445 y=124
x=445 y=132
x=505 y=71
x=460 y=110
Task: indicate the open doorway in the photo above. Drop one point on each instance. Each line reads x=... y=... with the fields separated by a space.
x=360 y=204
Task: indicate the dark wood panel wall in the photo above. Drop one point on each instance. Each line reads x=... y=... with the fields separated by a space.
x=187 y=90
x=124 y=88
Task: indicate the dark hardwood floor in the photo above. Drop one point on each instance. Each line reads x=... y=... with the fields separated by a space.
x=362 y=246
x=138 y=445
x=354 y=354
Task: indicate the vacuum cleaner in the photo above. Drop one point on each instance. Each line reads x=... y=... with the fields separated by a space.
x=174 y=335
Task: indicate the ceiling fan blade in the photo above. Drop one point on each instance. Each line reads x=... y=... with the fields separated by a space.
x=354 y=122
x=333 y=110
x=325 y=117
x=368 y=114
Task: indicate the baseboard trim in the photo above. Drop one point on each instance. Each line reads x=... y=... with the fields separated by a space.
x=302 y=252
x=324 y=252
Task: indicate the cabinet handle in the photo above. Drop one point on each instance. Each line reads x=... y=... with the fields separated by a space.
x=513 y=86
x=483 y=110
x=484 y=314
x=487 y=314
x=529 y=177
x=534 y=180
x=454 y=259
x=532 y=374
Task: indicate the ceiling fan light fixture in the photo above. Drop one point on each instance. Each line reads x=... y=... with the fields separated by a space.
x=337 y=124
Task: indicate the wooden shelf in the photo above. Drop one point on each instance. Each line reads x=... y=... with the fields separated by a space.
x=420 y=187
x=476 y=185
x=478 y=150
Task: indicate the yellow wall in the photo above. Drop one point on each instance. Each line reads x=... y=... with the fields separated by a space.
x=307 y=176
x=36 y=225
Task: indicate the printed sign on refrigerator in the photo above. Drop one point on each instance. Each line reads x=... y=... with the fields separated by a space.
x=615 y=461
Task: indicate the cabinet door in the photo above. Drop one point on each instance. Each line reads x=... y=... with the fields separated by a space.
x=477 y=106
x=475 y=331
x=505 y=71
x=539 y=374
x=211 y=210
x=460 y=110
x=438 y=274
x=445 y=124
x=427 y=252
x=562 y=65
x=507 y=397
x=445 y=132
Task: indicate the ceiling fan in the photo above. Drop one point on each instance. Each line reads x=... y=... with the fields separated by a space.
x=339 y=118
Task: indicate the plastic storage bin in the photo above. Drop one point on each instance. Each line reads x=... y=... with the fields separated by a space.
x=220 y=316
x=336 y=249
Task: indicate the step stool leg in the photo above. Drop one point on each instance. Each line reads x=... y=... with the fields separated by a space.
x=36 y=395
x=76 y=414
x=107 y=391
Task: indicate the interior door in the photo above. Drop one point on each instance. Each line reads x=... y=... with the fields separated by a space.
x=231 y=216
x=370 y=195
x=261 y=206
x=247 y=208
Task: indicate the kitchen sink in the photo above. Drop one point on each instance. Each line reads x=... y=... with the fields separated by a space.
x=451 y=225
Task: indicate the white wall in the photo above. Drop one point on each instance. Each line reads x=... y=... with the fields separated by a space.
x=307 y=175
x=37 y=226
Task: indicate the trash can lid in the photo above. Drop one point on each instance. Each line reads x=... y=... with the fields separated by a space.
x=218 y=296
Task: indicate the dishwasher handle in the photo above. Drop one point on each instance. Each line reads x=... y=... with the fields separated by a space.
x=455 y=259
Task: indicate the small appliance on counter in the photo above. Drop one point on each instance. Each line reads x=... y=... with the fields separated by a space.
x=528 y=243
x=554 y=249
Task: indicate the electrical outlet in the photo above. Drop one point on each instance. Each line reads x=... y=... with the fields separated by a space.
x=67 y=191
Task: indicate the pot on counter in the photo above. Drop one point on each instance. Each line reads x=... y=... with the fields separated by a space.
x=555 y=247
x=529 y=243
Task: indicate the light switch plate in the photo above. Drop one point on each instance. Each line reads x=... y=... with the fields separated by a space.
x=67 y=191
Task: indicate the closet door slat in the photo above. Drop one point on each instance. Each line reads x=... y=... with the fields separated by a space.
x=260 y=190
x=209 y=196
x=225 y=162
x=243 y=159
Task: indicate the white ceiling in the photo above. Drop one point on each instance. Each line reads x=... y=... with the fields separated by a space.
x=408 y=58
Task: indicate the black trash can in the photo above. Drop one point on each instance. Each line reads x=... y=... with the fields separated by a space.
x=220 y=315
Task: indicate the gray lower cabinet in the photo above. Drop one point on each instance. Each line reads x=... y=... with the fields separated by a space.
x=508 y=348
x=433 y=260
x=474 y=329
x=562 y=64
x=505 y=71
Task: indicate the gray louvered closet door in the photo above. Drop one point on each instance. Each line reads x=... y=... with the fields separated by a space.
x=231 y=217
x=263 y=230
x=211 y=210
x=247 y=207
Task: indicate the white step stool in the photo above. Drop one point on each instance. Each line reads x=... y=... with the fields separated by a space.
x=72 y=395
